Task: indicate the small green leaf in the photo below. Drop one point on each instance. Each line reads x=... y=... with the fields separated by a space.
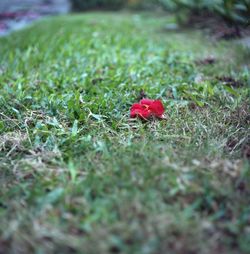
x=52 y=197
x=97 y=117
x=74 y=128
x=72 y=171
x=1 y=125
x=231 y=90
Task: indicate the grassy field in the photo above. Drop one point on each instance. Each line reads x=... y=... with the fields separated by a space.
x=78 y=175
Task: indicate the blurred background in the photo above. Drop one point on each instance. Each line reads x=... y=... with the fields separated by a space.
x=15 y=14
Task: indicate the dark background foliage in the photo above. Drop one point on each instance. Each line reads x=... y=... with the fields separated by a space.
x=232 y=11
x=81 y=5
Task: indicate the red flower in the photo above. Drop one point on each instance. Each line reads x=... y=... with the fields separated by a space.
x=147 y=108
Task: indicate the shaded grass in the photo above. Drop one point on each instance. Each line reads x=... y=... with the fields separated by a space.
x=78 y=175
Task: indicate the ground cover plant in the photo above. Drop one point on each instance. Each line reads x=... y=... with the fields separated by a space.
x=79 y=175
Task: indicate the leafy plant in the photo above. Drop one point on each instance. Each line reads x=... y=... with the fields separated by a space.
x=233 y=11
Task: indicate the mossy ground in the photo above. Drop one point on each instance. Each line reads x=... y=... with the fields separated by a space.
x=78 y=175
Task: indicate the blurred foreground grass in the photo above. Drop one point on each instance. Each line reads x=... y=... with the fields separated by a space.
x=78 y=175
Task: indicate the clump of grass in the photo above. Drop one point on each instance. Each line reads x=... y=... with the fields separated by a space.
x=78 y=174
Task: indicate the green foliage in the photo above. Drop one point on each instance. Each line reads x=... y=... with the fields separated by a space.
x=233 y=11
x=142 y=4
x=81 y=5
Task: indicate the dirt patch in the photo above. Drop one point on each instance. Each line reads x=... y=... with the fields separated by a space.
x=240 y=116
x=206 y=61
x=4 y=246
x=229 y=81
x=141 y=95
x=240 y=142
x=246 y=150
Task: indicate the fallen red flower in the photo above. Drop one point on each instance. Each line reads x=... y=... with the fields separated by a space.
x=147 y=108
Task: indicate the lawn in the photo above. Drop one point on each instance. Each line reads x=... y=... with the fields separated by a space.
x=78 y=175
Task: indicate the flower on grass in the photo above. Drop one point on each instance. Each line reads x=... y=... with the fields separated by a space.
x=147 y=108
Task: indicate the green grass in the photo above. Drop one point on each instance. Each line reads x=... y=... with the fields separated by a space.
x=78 y=175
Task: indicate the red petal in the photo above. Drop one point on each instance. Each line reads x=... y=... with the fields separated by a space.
x=157 y=108
x=146 y=101
x=139 y=110
x=145 y=114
